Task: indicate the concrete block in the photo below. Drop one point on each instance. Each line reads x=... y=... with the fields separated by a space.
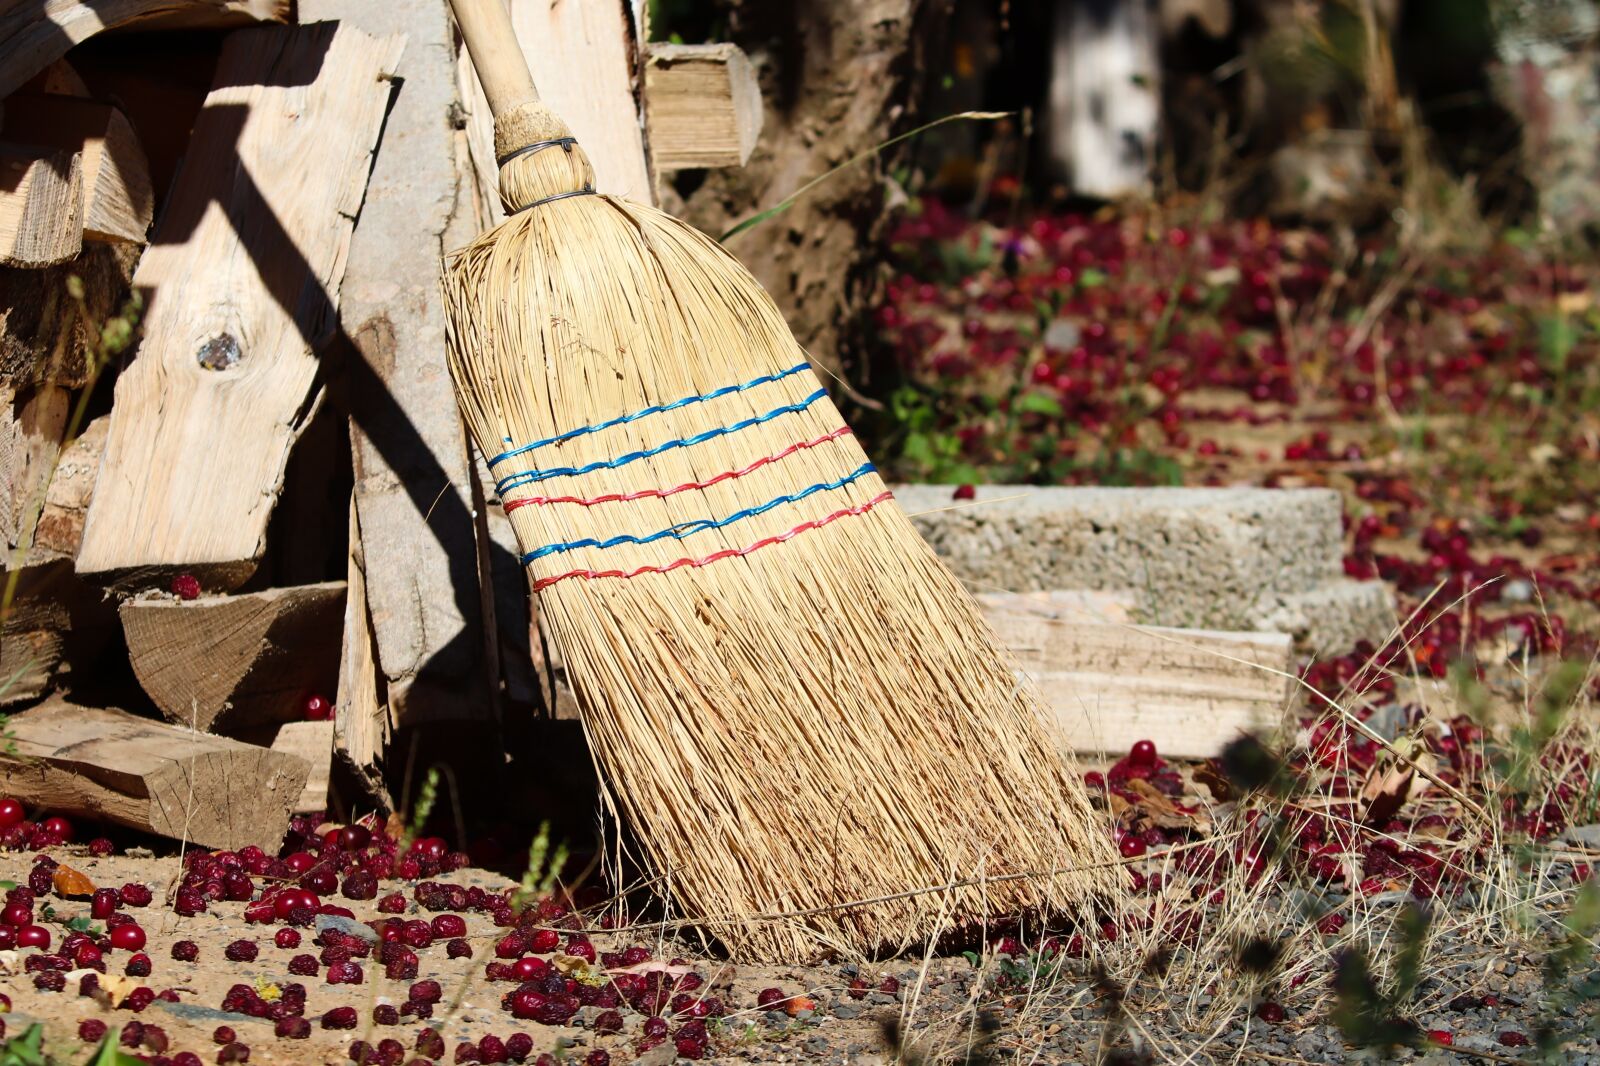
x=1224 y=559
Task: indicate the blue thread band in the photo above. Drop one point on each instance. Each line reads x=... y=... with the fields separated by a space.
x=699 y=525
x=529 y=477
x=673 y=406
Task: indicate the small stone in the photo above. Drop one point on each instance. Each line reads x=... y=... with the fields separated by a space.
x=879 y=999
x=817 y=1044
x=847 y=1011
x=347 y=925
x=776 y=1017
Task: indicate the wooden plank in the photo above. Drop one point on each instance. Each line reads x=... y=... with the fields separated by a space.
x=583 y=59
x=702 y=106
x=66 y=501
x=362 y=725
x=419 y=537
x=313 y=742
x=151 y=776
x=34 y=34
x=117 y=199
x=41 y=206
x=32 y=426
x=228 y=664
x=244 y=270
x=1189 y=690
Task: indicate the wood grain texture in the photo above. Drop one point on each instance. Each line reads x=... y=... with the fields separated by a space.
x=419 y=538
x=702 y=106
x=54 y=619
x=225 y=664
x=362 y=725
x=43 y=337
x=313 y=742
x=151 y=776
x=244 y=277
x=117 y=198
x=32 y=426
x=41 y=206
x=34 y=34
x=583 y=59
x=1191 y=690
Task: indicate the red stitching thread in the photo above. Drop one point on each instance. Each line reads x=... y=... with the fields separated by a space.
x=726 y=553
x=645 y=494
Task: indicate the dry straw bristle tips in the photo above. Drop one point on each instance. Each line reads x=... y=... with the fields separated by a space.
x=793 y=705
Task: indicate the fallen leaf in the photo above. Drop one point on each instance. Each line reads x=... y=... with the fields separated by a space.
x=70 y=882
x=1393 y=780
x=576 y=967
x=1215 y=781
x=653 y=966
x=1163 y=811
x=115 y=987
x=795 y=1004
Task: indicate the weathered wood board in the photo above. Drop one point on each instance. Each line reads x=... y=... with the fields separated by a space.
x=243 y=276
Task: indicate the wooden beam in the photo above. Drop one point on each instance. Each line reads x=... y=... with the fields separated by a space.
x=36 y=33
x=1189 y=690
x=151 y=776
x=44 y=339
x=117 y=198
x=244 y=275
x=416 y=520
x=583 y=59
x=702 y=106
x=228 y=664
x=313 y=742
x=41 y=206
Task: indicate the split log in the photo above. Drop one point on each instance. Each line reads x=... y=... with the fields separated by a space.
x=151 y=776
x=44 y=339
x=32 y=426
x=54 y=621
x=702 y=106
x=1190 y=690
x=227 y=664
x=415 y=516
x=34 y=34
x=66 y=501
x=117 y=198
x=244 y=274
x=41 y=206
x=313 y=742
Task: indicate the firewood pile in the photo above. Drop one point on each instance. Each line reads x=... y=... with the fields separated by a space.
x=253 y=567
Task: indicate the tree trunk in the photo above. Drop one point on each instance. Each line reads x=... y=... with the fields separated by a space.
x=838 y=77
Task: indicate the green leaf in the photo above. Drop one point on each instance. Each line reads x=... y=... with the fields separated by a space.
x=1037 y=403
x=25 y=1050
x=1558 y=335
x=110 y=1053
x=1092 y=278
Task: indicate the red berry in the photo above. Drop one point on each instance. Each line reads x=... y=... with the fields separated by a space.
x=233 y=1053
x=448 y=926
x=138 y=965
x=1441 y=1037
x=223 y=1034
x=340 y=1018
x=91 y=1030
x=135 y=895
x=12 y=812
x=344 y=973
x=304 y=965
x=186 y=587
x=33 y=936
x=57 y=828
x=1512 y=1038
x=769 y=996
x=426 y=992
x=290 y=1029
x=1270 y=1012
x=318 y=709
x=186 y=951
x=385 y=1014
x=1131 y=847
x=1143 y=753
x=241 y=951
x=126 y=937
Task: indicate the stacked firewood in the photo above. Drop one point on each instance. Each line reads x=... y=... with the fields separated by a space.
x=250 y=550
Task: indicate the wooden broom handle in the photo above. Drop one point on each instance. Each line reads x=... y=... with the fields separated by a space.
x=492 y=42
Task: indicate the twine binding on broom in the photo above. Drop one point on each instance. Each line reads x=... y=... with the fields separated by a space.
x=822 y=717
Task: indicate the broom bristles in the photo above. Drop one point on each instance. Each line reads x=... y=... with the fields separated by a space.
x=791 y=702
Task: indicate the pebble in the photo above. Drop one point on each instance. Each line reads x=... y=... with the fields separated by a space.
x=817 y=1044
x=879 y=999
x=847 y=1011
x=777 y=1017
x=348 y=926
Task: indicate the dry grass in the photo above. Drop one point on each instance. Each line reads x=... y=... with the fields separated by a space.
x=822 y=720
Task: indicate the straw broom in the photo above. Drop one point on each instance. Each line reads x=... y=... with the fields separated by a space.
x=791 y=702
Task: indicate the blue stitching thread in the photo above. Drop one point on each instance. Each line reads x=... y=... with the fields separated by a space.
x=528 y=477
x=685 y=402
x=699 y=525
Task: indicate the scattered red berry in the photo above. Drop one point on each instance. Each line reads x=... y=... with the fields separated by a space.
x=186 y=587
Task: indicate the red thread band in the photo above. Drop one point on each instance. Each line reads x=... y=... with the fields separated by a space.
x=645 y=494
x=726 y=553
